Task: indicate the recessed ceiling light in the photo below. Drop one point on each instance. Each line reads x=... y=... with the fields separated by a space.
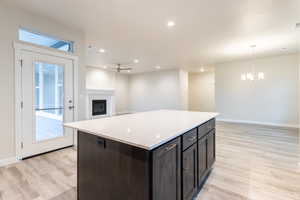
x=128 y=71
x=157 y=67
x=102 y=50
x=171 y=23
x=136 y=61
x=104 y=67
x=202 y=69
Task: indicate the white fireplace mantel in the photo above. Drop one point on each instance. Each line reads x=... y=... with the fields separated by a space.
x=103 y=94
x=102 y=91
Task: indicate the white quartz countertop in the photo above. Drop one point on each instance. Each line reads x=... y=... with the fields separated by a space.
x=146 y=130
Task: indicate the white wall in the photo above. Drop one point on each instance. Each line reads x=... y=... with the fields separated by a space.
x=10 y=20
x=97 y=78
x=142 y=92
x=184 y=89
x=122 y=94
x=202 y=91
x=273 y=100
x=155 y=90
x=299 y=89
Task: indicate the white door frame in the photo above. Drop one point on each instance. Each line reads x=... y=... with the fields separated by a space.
x=18 y=47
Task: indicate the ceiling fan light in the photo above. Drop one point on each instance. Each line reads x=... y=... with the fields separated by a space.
x=171 y=23
x=101 y=50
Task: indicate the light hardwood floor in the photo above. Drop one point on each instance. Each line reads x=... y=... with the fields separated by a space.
x=253 y=163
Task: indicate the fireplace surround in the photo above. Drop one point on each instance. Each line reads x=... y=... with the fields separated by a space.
x=100 y=103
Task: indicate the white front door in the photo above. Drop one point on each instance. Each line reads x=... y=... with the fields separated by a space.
x=47 y=103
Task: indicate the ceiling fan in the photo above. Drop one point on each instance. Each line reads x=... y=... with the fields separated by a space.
x=121 y=68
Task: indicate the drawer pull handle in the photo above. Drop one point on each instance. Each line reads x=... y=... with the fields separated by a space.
x=172 y=146
x=101 y=142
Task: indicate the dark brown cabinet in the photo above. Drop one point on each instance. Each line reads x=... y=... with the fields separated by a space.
x=189 y=138
x=202 y=159
x=211 y=149
x=105 y=165
x=206 y=150
x=189 y=172
x=167 y=171
x=206 y=127
x=176 y=170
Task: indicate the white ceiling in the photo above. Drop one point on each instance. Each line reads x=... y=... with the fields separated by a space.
x=206 y=31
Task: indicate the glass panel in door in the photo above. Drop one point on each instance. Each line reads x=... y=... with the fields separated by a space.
x=49 y=101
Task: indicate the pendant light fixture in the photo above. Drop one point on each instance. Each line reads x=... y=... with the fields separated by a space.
x=252 y=75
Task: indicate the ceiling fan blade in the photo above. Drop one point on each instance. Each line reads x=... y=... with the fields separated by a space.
x=122 y=67
x=125 y=68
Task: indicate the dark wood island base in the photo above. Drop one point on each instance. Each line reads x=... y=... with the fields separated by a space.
x=176 y=170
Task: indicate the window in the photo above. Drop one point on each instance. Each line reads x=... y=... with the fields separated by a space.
x=44 y=40
x=49 y=100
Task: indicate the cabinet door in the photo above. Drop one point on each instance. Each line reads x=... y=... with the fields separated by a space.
x=109 y=170
x=189 y=172
x=167 y=171
x=211 y=154
x=202 y=159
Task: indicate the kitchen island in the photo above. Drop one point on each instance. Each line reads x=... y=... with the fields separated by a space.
x=157 y=155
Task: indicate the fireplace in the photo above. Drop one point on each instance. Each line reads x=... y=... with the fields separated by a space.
x=99 y=107
x=100 y=103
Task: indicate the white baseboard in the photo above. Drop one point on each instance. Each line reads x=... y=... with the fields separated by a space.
x=123 y=113
x=259 y=123
x=8 y=161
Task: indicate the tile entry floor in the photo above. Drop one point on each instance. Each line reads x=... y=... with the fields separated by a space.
x=253 y=163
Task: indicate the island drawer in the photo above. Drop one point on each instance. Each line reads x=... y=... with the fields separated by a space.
x=189 y=138
x=206 y=127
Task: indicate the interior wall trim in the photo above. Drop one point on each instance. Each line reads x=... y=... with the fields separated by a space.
x=258 y=123
x=8 y=161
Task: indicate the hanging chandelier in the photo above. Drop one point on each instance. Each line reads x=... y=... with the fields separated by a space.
x=252 y=75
